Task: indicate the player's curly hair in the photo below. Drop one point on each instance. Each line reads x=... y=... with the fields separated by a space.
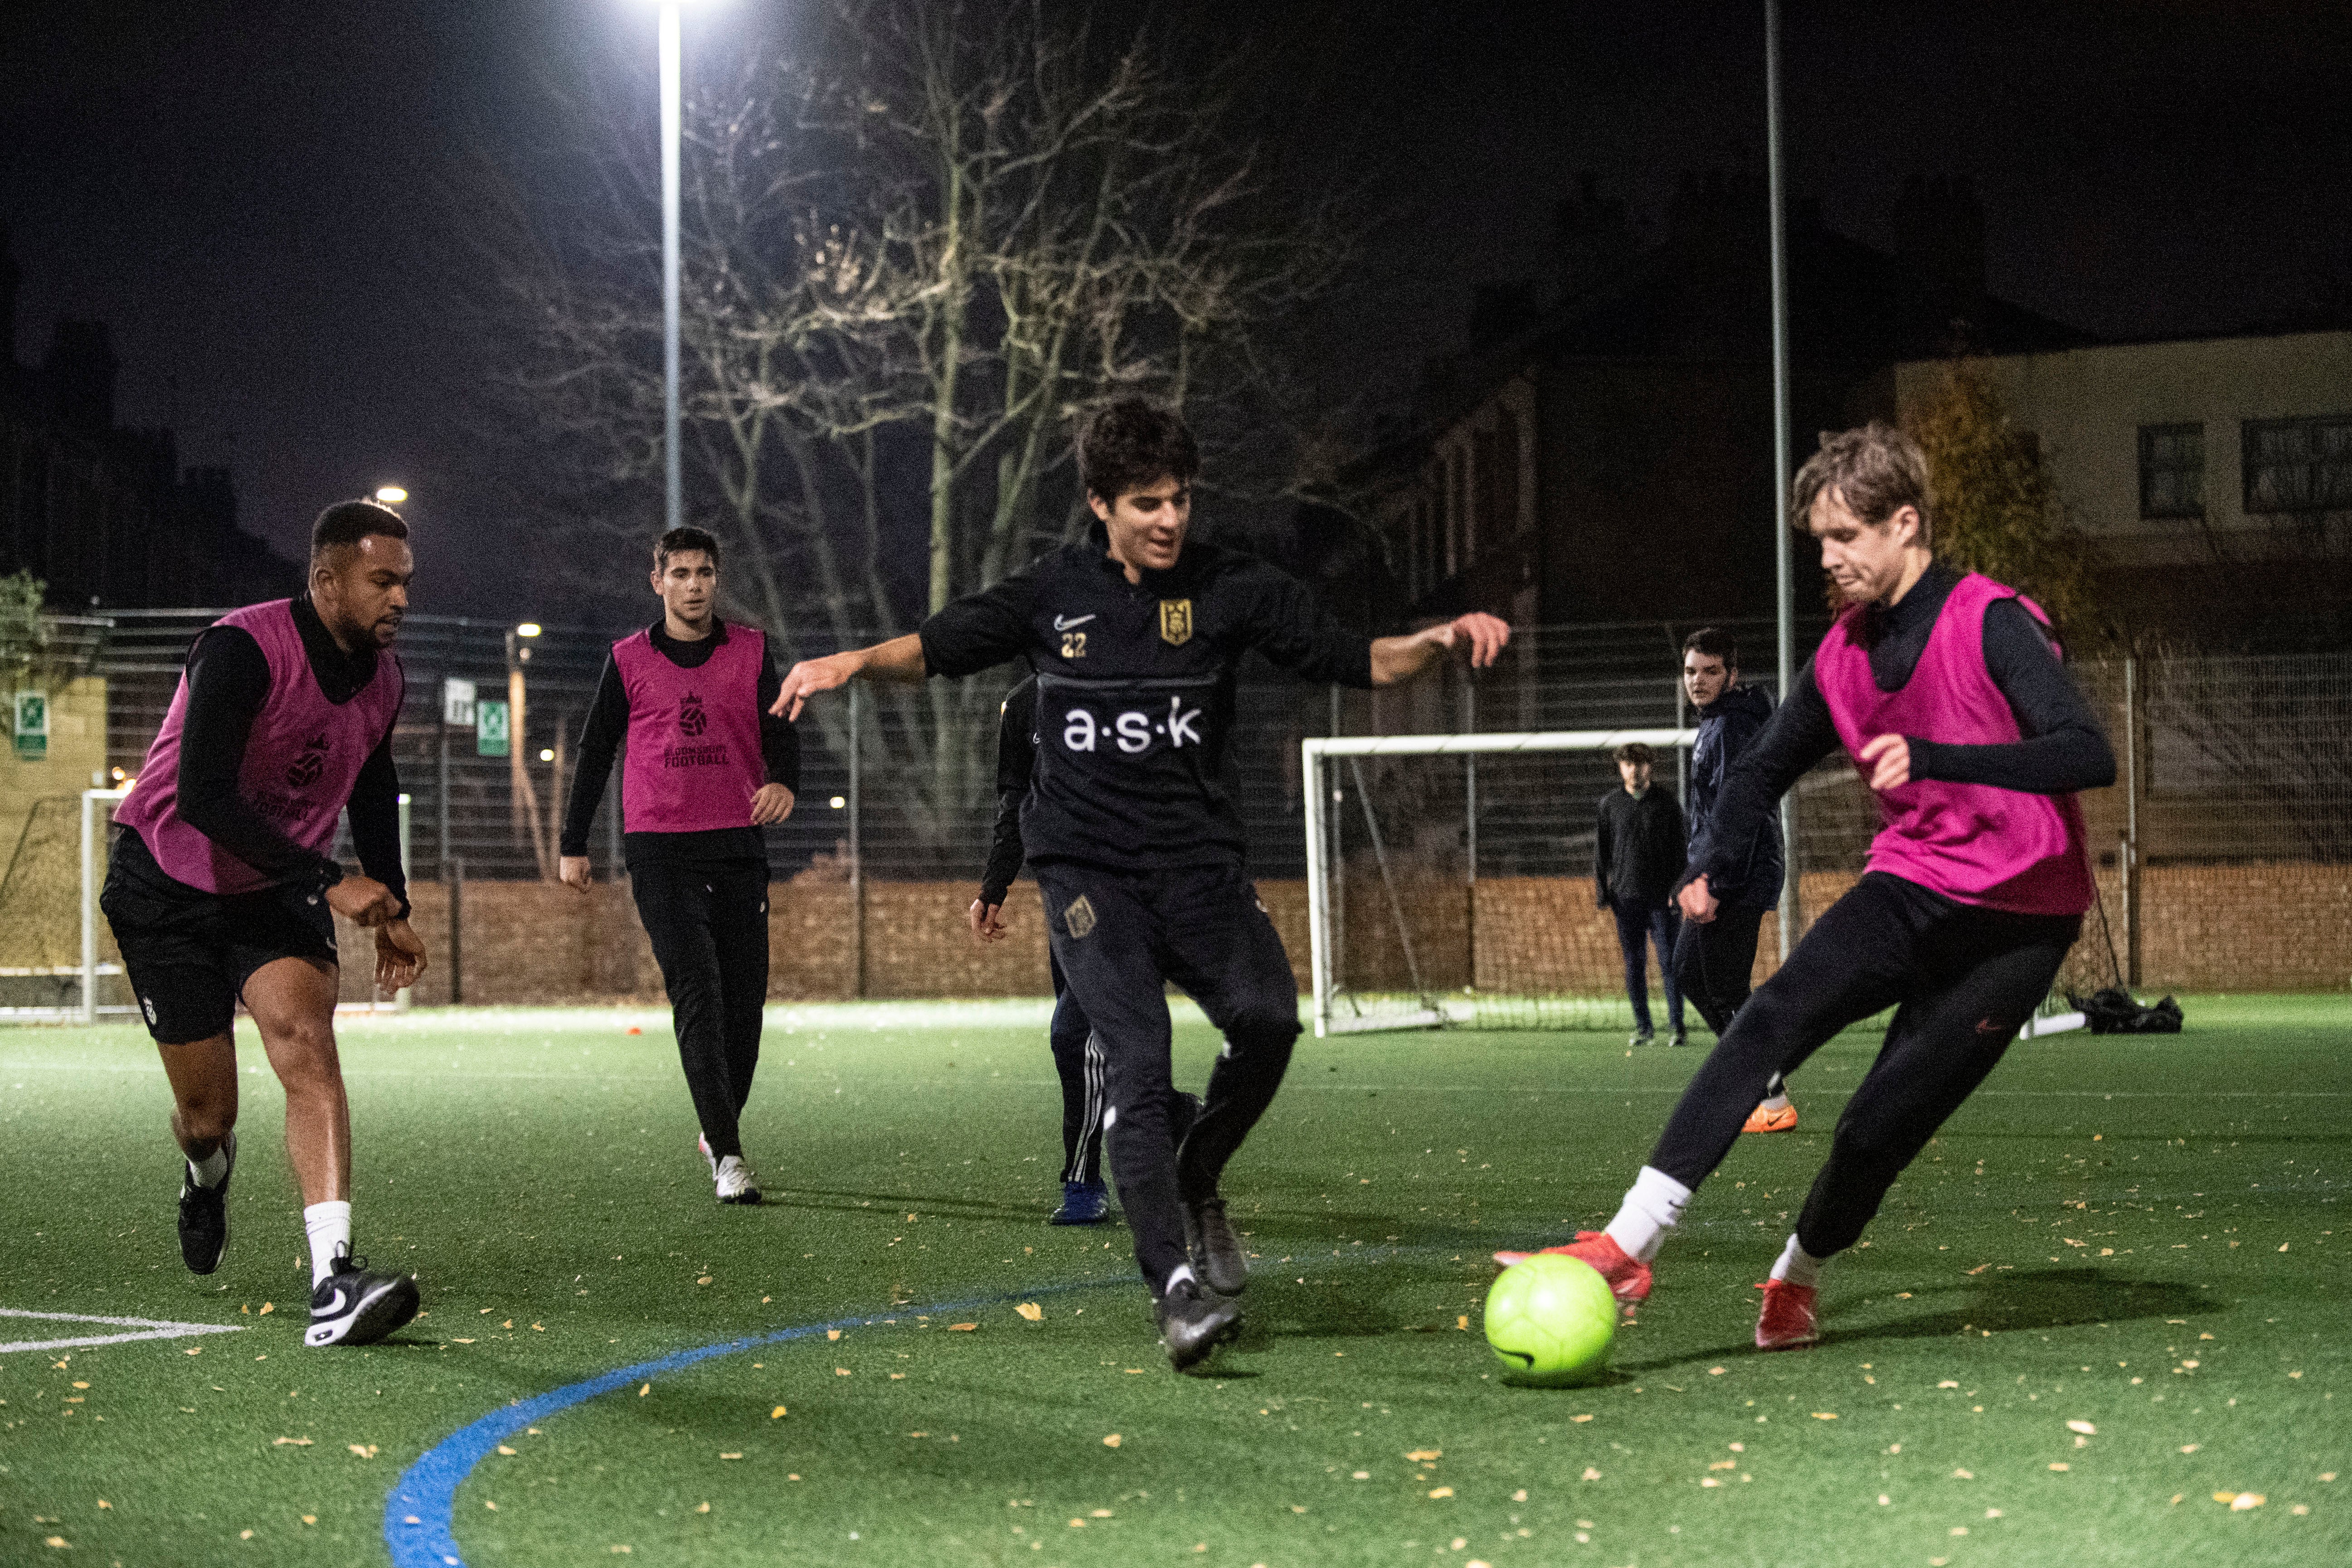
x=1876 y=470
x=1133 y=443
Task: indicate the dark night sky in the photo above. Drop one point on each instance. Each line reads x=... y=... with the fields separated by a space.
x=246 y=191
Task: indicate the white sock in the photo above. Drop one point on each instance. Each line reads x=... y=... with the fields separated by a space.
x=1797 y=1266
x=330 y=1225
x=1777 y=1102
x=1652 y=1207
x=213 y=1168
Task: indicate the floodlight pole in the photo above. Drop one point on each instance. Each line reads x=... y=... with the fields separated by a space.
x=673 y=484
x=1784 y=568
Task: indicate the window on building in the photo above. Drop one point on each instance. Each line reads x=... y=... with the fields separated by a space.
x=2172 y=470
x=2298 y=465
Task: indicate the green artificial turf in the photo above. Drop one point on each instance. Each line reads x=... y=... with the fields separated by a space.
x=2137 y=1235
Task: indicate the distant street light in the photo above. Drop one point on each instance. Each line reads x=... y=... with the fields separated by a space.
x=391 y=495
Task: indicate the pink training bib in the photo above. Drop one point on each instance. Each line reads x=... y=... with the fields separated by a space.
x=303 y=757
x=2001 y=849
x=694 y=761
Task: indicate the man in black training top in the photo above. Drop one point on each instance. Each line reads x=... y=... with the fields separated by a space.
x=1130 y=822
x=223 y=887
x=1077 y=1060
x=1716 y=959
x=1637 y=859
x=708 y=768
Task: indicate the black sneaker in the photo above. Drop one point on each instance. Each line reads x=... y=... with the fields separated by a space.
x=1216 y=1252
x=203 y=1214
x=1193 y=1323
x=353 y=1307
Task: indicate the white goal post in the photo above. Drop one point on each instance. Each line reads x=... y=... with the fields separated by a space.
x=93 y=866
x=1430 y=944
x=1319 y=794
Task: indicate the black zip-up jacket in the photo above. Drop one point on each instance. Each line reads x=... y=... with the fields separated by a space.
x=1637 y=852
x=1016 y=754
x=1726 y=726
x=1135 y=692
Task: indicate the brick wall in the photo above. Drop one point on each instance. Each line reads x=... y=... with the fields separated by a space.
x=2277 y=927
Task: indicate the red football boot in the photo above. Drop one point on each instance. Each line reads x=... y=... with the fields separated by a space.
x=1787 y=1321
x=1627 y=1277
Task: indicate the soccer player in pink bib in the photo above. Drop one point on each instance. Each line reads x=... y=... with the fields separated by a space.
x=708 y=768
x=1948 y=691
x=221 y=889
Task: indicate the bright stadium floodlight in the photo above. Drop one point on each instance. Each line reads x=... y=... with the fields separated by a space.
x=546 y=754
x=528 y=629
x=391 y=495
x=839 y=802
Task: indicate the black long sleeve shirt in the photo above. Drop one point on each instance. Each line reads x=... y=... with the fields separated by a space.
x=229 y=682
x=607 y=726
x=1135 y=695
x=2062 y=749
x=1016 y=755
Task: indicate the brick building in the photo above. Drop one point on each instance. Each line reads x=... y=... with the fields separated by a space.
x=106 y=516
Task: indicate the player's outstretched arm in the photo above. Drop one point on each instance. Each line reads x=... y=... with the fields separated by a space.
x=900 y=658
x=1401 y=658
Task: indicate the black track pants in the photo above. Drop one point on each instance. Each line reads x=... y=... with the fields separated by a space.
x=1714 y=960
x=708 y=924
x=1078 y=1063
x=1963 y=980
x=1119 y=938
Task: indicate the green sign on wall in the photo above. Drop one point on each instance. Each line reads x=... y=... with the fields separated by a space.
x=32 y=726
x=490 y=738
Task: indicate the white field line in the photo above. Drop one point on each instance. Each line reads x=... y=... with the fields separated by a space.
x=147 y=1329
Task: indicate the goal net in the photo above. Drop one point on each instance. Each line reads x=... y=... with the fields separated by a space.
x=1449 y=879
x=57 y=959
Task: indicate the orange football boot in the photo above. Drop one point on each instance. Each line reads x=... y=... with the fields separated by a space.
x=1784 y=1120
x=1627 y=1277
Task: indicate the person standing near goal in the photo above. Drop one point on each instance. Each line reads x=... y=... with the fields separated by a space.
x=1948 y=691
x=1130 y=825
x=1716 y=959
x=707 y=769
x=1637 y=855
x=1077 y=1060
x=220 y=889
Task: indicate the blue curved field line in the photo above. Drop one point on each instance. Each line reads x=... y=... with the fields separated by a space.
x=418 y=1515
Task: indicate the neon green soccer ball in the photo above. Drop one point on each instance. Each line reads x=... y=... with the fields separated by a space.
x=1549 y=1319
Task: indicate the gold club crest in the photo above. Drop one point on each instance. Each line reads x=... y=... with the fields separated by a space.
x=1176 y=622
x=1079 y=917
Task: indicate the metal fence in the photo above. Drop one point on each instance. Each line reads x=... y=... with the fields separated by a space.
x=2235 y=758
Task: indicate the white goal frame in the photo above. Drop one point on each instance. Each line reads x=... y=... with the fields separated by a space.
x=93 y=868
x=2052 y=1017
x=1318 y=800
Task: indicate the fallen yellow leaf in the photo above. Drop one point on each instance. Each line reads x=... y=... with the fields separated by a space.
x=644 y=1389
x=840 y=1371
x=730 y=1456
x=1824 y=1415
x=1031 y=1310
x=1417 y=1454
x=961 y=1328
x=777 y=1414
x=1111 y=1441
x=268 y=1308
x=1441 y=1491
x=832 y=1333
x=504 y=1449
x=2085 y=1427
x=289 y=1442
x=364 y=1450
x=2061 y=1466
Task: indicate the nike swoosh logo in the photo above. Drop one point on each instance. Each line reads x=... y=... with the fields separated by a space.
x=1063 y=625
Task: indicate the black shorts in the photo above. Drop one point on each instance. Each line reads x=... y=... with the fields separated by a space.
x=188 y=953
